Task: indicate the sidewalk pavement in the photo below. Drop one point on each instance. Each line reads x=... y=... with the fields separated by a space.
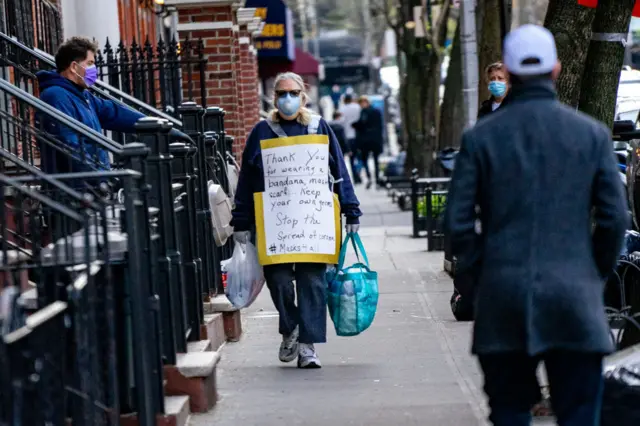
x=412 y=367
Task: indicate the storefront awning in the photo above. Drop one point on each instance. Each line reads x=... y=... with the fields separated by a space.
x=304 y=65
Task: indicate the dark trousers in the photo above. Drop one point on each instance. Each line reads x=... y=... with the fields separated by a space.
x=353 y=156
x=575 y=381
x=376 y=164
x=311 y=288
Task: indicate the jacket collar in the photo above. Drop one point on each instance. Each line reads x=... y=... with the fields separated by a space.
x=540 y=89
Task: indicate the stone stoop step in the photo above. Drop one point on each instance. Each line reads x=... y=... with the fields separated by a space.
x=177 y=408
x=194 y=375
x=199 y=346
x=231 y=316
x=177 y=413
x=213 y=330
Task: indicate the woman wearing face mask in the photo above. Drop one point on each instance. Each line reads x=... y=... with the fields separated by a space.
x=304 y=324
x=498 y=80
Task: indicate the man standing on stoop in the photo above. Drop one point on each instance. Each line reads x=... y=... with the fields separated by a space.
x=542 y=175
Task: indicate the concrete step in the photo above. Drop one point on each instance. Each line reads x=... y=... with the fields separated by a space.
x=199 y=346
x=231 y=315
x=177 y=408
x=213 y=330
x=176 y=413
x=194 y=375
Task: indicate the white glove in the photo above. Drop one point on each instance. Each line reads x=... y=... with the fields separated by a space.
x=352 y=229
x=241 y=237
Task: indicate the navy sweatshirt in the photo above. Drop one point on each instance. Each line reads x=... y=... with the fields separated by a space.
x=81 y=105
x=252 y=176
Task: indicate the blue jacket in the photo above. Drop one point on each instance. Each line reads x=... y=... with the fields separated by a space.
x=81 y=105
x=252 y=176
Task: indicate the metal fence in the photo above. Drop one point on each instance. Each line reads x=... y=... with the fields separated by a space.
x=428 y=204
x=73 y=227
x=622 y=298
x=160 y=76
x=37 y=23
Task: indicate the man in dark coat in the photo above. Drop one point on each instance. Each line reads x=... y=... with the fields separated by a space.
x=369 y=138
x=338 y=129
x=539 y=172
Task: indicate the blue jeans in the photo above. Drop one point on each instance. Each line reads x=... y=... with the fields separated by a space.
x=311 y=288
x=575 y=381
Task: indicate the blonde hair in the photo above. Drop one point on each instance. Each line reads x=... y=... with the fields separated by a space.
x=304 y=115
x=496 y=66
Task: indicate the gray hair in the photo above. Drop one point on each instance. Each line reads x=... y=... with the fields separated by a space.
x=304 y=116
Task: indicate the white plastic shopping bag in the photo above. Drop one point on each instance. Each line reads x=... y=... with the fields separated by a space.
x=245 y=277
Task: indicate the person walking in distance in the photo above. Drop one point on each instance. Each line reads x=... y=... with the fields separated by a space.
x=547 y=243
x=350 y=114
x=302 y=308
x=338 y=129
x=369 y=138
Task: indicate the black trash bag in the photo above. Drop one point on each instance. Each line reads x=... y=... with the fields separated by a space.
x=621 y=398
x=463 y=297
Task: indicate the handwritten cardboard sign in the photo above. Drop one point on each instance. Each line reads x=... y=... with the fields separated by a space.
x=297 y=215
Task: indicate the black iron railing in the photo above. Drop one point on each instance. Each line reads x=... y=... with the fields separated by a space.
x=30 y=130
x=89 y=252
x=622 y=298
x=37 y=23
x=428 y=203
x=138 y=217
x=20 y=64
x=163 y=76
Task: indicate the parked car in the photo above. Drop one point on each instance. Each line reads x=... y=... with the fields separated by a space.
x=628 y=102
x=626 y=139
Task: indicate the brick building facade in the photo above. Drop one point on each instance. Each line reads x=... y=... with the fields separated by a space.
x=231 y=77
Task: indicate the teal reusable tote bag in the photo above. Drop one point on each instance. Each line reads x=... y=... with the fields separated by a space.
x=353 y=292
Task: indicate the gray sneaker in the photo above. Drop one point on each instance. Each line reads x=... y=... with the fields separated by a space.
x=307 y=356
x=289 y=347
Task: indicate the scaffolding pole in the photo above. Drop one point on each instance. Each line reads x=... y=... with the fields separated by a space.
x=470 y=65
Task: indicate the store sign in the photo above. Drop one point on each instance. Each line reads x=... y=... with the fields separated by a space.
x=276 y=39
x=594 y=4
x=347 y=75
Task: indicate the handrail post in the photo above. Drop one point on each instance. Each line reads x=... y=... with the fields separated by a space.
x=414 y=203
x=148 y=373
x=216 y=154
x=193 y=122
x=428 y=192
x=184 y=174
x=154 y=133
x=211 y=140
x=191 y=116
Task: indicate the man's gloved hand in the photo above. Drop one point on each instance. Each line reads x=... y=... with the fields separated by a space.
x=352 y=229
x=241 y=237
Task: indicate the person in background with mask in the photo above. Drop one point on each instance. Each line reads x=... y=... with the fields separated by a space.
x=305 y=323
x=66 y=90
x=498 y=80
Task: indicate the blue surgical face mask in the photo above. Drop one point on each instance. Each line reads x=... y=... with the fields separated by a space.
x=498 y=88
x=288 y=104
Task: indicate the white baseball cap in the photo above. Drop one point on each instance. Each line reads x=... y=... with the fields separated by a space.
x=530 y=50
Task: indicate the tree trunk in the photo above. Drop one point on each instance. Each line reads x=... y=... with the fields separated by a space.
x=570 y=23
x=604 y=61
x=489 y=43
x=451 y=114
x=415 y=97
